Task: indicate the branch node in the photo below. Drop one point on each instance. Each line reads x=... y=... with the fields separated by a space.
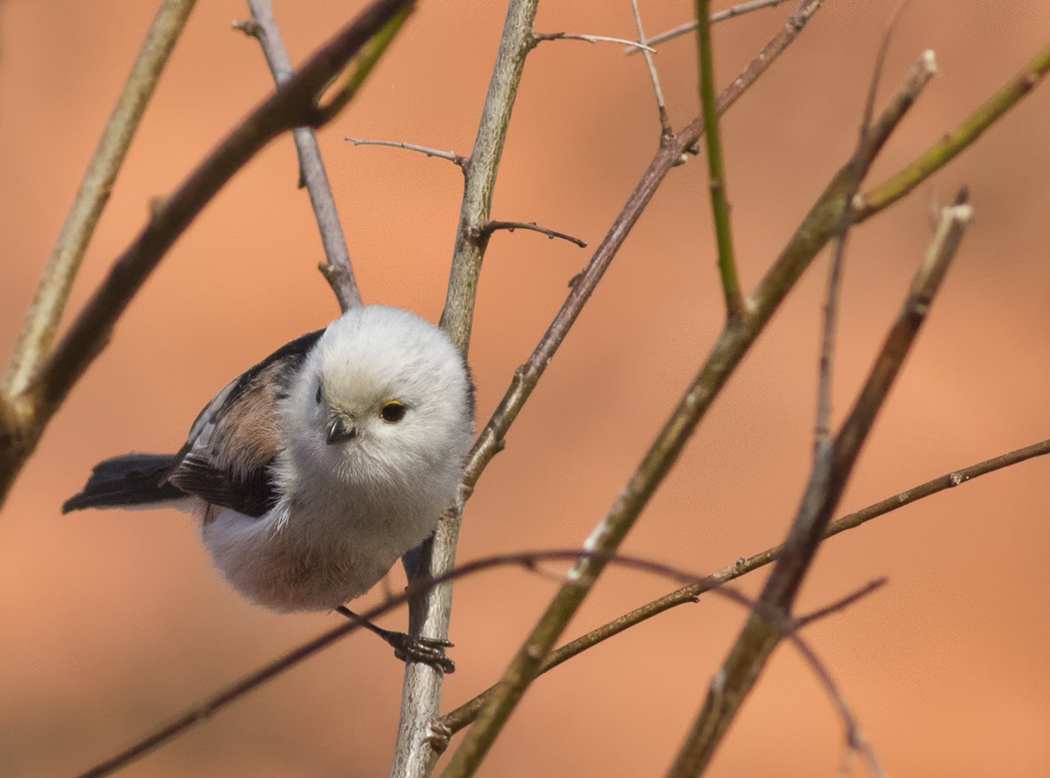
x=249 y=27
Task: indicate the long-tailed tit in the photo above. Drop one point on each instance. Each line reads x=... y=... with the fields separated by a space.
x=313 y=472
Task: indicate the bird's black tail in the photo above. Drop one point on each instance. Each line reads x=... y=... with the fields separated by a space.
x=133 y=479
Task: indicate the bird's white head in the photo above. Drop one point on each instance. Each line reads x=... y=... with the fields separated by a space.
x=384 y=399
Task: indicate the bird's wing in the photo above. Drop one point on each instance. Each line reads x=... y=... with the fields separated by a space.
x=231 y=445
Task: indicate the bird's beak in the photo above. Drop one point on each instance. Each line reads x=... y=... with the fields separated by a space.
x=338 y=431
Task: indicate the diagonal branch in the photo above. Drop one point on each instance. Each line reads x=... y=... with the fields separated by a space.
x=718 y=16
x=42 y=318
x=23 y=418
x=339 y=271
x=455 y=720
x=957 y=140
x=833 y=465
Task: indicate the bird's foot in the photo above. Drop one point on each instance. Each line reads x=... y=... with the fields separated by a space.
x=430 y=651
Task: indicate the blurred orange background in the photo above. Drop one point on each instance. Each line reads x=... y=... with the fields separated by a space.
x=113 y=622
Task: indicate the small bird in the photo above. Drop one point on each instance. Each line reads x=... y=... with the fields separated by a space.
x=317 y=469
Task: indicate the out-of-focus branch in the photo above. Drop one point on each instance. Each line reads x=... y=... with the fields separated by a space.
x=456 y=719
x=718 y=16
x=297 y=103
x=41 y=321
x=338 y=270
x=826 y=371
x=831 y=471
x=959 y=139
x=715 y=165
x=429 y=615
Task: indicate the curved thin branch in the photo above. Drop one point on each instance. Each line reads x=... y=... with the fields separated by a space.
x=718 y=16
x=41 y=321
x=339 y=271
x=23 y=418
x=455 y=720
x=203 y=711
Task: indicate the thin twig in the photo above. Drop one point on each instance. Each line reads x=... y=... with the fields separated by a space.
x=451 y=156
x=955 y=141
x=429 y=615
x=715 y=165
x=832 y=467
x=41 y=320
x=842 y=604
x=856 y=740
x=297 y=103
x=564 y=36
x=492 y=226
x=527 y=560
x=665 y=123
x=831 y=300
x=718 y=16
x=456 y=719
x=339 y=270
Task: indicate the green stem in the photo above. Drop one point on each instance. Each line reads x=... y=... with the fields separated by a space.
x=715 y=165
x=956 y=141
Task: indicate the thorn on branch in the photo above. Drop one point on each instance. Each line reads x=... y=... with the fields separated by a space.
x=486 y=231
x=451 y=156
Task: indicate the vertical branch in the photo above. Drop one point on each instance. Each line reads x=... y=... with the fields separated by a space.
x=338 y=271
x=417 y=749
x=481 y=169
x=715 y=166
x=41 y=321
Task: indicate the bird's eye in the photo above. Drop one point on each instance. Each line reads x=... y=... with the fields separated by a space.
x=393 y=411
x=317 y=397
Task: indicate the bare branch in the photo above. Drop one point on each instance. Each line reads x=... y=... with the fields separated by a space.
x=718 y=16
x=23 y=418
x=832 y=467
x=564 y=36
x=462 y=716
x=856 y=740
x=492 y=226
x=831 y=300
x=415 y=752
x=451 y=156
x=41 y=320
x=715 y=166
x=957 y=140
x=665 y=123
x=339 y=271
